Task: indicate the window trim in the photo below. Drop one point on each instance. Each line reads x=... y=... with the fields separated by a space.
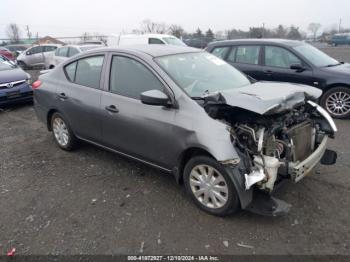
x=85 y=57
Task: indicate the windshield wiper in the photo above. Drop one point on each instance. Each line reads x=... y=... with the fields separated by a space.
x=198 y=98
x=331 y=65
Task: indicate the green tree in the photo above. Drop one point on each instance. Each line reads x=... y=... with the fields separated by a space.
x=209 y=35
x=294 y=33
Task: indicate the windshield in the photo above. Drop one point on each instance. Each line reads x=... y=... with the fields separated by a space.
x=6 y=64
x=315 y=56
x=173 y=41
x=201 y=73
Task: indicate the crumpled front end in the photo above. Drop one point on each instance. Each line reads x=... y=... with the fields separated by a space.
x=276 y=146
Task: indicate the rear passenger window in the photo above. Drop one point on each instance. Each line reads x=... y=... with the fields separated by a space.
x=232 y=55
x=248 y=55
x=131 y=78
x=62 y=51
x=86 y=71
x=72 y=51
x=220 y=52
x=155 y=41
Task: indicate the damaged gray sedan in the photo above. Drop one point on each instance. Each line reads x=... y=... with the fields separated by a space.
x=228 y=139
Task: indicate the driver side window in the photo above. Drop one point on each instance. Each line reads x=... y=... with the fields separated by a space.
x=280 y=57
x=130 y=78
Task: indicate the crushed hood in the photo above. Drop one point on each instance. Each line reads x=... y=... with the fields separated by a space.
x=270 y=97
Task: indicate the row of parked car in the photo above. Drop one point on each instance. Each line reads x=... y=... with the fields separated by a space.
x=263 y=60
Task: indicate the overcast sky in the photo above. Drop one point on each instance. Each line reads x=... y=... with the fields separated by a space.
x=73 y=17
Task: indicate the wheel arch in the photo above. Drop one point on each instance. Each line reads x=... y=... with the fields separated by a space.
x=333 y=85
x=184 y=157
x=48 y=118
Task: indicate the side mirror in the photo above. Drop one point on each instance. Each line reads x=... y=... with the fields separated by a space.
x=297 y=67
x=154 y=97
x=28 y=53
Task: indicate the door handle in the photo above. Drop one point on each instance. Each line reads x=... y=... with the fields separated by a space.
x=112 y=109
x=62 y=96
x=268 y=72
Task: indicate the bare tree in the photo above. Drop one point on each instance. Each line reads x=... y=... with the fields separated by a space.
x=176 y=30
x=314 y=27
x=86 y=36
x=148 y=26
x=13 y=32
x=100 y=37
x=29 y=34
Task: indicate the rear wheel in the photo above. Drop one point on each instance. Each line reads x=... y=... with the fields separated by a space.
x=337 y=102
x=62 y=133
x=210 y=187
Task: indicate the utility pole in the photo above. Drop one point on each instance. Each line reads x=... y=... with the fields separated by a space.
x=263 y=30
x=29 y=34
x=339 y=26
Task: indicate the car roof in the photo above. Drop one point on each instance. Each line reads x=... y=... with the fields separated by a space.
x=79 y=45
x=151 y=50
x=146 y=35
x=286 y=42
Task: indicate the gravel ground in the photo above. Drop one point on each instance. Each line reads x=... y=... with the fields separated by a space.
x=91 y=201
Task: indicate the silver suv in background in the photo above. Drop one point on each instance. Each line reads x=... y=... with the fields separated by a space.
x=36 y=56
x=64 y=52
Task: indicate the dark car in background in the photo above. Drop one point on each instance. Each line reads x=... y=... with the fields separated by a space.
x=6 y=53
x=14 y=83
x=291 y=61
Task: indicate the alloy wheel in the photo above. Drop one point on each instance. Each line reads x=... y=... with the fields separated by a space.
x=338 y=103
x=60 y=131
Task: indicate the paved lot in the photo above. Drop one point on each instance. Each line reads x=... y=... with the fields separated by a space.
x=91 y=201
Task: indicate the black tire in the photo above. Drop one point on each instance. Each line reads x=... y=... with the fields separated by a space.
x=71 y=141
x=327 y=97
x=22 y=65
x=232 y=204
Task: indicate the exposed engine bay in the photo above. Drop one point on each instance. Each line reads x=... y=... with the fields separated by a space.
x=275 y=146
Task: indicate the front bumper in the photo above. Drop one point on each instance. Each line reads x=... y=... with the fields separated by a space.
x=298 y=170
x=24 y=93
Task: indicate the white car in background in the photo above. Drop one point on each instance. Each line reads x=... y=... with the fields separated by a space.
x=64 y=52
x=36 y=56
x=145 y=39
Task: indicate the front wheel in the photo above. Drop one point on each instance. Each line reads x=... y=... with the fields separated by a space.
x=210 y=186
x=337 y=102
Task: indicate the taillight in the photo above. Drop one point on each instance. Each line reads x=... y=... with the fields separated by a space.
x=36 y=84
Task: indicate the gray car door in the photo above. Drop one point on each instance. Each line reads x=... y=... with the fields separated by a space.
x=129 y=126
x=79 y=97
